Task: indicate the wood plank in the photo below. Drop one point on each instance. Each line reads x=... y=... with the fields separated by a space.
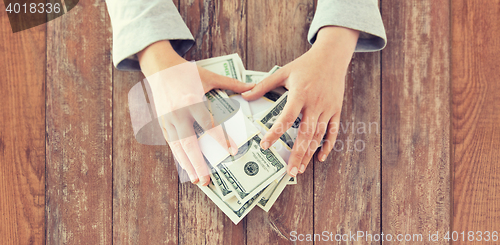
x=218 y=28
x=353 y=168
x=416 y=118
x=79 y=127
x=347 y=185
x=145 y=200
x=22 y=134
x=145 y=190
x=277 y=34
x=476 y=116
x=198 y=16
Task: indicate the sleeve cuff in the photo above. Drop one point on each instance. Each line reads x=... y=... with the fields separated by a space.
x=154 y=23
x=361 y=15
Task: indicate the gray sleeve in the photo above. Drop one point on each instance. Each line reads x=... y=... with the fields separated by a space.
x=361 y=15
x=139 y=23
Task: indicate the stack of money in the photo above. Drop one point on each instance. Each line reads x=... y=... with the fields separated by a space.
x=252 y=177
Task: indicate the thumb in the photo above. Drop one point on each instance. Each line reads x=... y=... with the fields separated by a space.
x=269 y=83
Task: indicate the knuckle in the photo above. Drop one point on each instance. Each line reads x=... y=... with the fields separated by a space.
x=300 y=150
x=300 y=99
x=289 y=117
x=308 y=133
x=276 y=133
x=319 y=134
x=313 y=146
x=260 y=86
x=308 y=154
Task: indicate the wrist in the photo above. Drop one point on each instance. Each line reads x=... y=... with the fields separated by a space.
x=336 y=44
x=157 y=57
x=336 y=38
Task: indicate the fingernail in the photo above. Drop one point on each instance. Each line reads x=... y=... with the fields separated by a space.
x=293 y=172
x=231 y=151
x=193 y=179
x=264 y=145
x=247 y=92
x=205 y=180
x=302 y=168
x=323 y=158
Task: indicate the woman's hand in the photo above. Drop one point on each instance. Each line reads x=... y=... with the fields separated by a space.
x=178 y=88
x=316 y=82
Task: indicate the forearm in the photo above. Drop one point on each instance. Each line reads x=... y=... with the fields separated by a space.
x=157 y=57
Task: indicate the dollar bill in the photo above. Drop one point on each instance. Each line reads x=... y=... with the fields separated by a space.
x=235 y=209
x=234 y=124
x=275 y=189
x=220 y=105
x=273 y=70
x=265 y=102
x=253 y=76
x=253 y=176
x=244 y=105
x=228 y=65
x=251 y=169
x=221 y=187
x=270 y=117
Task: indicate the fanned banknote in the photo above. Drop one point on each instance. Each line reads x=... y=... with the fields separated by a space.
x=275 y=189
x=253 y=176
x=251 y=170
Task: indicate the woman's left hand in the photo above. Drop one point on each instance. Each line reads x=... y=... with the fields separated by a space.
x=316 y=82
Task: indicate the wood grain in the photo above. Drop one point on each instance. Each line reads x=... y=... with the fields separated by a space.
x=145 y=190
x=79 y=127
x=145 y=181
x=416 y=118
x=198 y=16
x=218 y=28
x=88 y=140
x=347 y=185
x=277 y=34
x=22 y=134
x=476 y=116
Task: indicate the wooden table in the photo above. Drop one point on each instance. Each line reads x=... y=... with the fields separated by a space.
x=71 y=171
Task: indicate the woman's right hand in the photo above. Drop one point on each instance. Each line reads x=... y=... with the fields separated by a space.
x=178 y=88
